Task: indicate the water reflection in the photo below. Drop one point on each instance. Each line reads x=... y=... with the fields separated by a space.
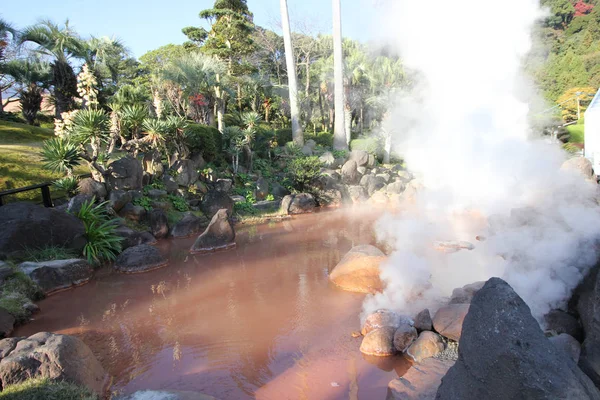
x=259 y=321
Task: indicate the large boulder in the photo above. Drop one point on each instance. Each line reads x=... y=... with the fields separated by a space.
x=215 y=201
x=262 y=189
x=579 y=164
x=50 y=356
x=76 y=202
x=171 y=185
x=448 y=320
x=133 y=212
x=350 y=175
x=152 y=164
x=423 y=321
x=30 y=226
x=372 y=183
x=139 y=259
x=117 y=199
x=358 y=194
x=302 y=203
x=504 y=354
x=420 y=382
x=361 y=157
x=189 y=225
x=427 y=345
x=404 y=336
x=218 y=235
x=7 y=323
x=379 y=342
x=186 y=172
x=465 y=294
x=380 y=319
x=279 y=191
x=52 y=276
x=159 y=223
x=567 y=344
x=126 y=173
x=359 y=270
x=558 y=322
x=133 y=238
x=91 y=187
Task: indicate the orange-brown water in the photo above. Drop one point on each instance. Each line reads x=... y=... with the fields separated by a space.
x=260 y=321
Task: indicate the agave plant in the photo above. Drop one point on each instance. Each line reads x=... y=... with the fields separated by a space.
x=69 y=185
x=60 y=155
x=90 y=124
x=133 y=117
x=103 y=242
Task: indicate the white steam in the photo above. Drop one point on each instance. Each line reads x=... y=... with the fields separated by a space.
x=463 y=131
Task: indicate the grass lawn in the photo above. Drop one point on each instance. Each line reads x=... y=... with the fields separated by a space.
x=20 y=160
x=577 y=133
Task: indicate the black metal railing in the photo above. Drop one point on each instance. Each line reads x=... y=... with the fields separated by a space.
x=44 y=187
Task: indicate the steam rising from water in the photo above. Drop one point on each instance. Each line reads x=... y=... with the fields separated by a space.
x=463 y=131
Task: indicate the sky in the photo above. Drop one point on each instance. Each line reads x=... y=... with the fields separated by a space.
x=145 y=25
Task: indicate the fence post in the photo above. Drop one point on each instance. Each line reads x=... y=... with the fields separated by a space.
x=1 y=202
x=46 y=196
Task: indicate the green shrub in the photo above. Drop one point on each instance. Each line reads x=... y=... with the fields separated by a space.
x=179 y=203
x=203 y=139
x=283 y=136
x=69 y=185
x=12 y=117
x=303 y=170
x=144 y=201
x=44 y=389
x=324 y=139
x=264 y=166
x=371 y=145
x=244 y=207
x=103 y=242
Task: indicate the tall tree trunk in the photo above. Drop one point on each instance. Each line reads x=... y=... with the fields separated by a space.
x=239 y=97
x=297 y=134
x=348 y=122
x=339 y=134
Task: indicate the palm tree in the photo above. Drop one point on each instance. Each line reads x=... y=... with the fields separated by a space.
x=340 y=141
x=60 y=44
x=5 y=30
x=31 y=76
x=297 y=134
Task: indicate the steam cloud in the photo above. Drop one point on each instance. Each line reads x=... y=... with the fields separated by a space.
x=463 y=131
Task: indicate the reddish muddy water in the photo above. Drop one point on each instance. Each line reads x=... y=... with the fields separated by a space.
x=259 y=321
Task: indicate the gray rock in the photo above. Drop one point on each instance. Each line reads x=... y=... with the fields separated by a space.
x=238 y=199
x=579 y=164
x=588 y=307
x=26 y=225
x=395 y=188
x=218 y=235
x=133 y=238
x=125 y=174
x=372 y=183
x=279 y=191
x=52 y=276
x=91 y=187
x=267 y=205
x=171 y=185
x=448 y=320
x=132 y=212
x=361 y=157
x=51 y=356
x=152 y=164
x=558 y=321
x=117 y=199
x=215 y=201
x=285 y=204
x=311 y=144
x=384 y=176
x=5 y=271
x=189 y=225
x=568 y=344
x=362 y=170
x=159 y=223
x=358 y=194
x=7 y=323
x=224 y=185
x=427 y=345
x=75 y=203
x=307 y=151
x=157 y=194
x=503 y=354
x=262 y=189
x=350 y=175
x=420 y=382
x=423 y=321
x=379 y=342
x=165 y=395
x=465 y=294
x=404 y=336
x=140 y=258
x=199 y=187
x=302 y=203
x=372 y=161
x=185 y=171
x=380 y=318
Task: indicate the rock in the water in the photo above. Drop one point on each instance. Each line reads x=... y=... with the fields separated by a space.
x=159 y=223
x=267 y=205
x=350 y=175
x=186 y=172
x=215 y=201
x=93 y=188
x=404 y=336
x=380 y=319
x=218 y=235
x=379 y=342
x=28 y=226
x=140 y=258
x=359 y=270
x=166 y=395
x=7 y=323
x=302 y=203
x=558 y=321
x=568 y=344
x=189 y=225
x=420 y=382
x=358 y=194
x=423 y=321
x=52 y=276
x=133 y=212
x=428 y=344
x=133 y=238
x=125 y=174
x=51 y=356
x=262 y=189
x=579 y=164
x=361 y=157
x=465 y=294
x=118 y=199
x=503 y=354
x=448 y=320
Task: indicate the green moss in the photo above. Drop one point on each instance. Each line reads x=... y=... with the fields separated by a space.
x=13 y=303
x=44 y=389
x=14 y=133
x=577 y=132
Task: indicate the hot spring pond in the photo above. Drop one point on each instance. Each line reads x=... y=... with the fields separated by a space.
x=260 y=321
